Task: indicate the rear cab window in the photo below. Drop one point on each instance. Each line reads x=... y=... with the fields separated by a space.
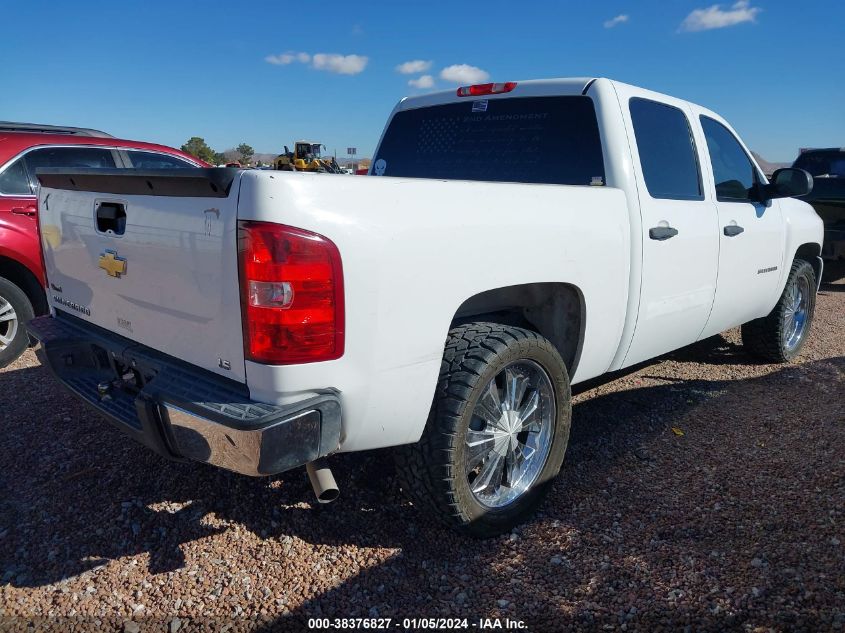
x=544 y=140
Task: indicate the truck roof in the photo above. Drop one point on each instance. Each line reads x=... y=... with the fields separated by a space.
x=528 y=88
x=809 y=150
x=563 y=86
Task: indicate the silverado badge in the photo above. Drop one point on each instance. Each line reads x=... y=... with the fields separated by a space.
x=115 y=266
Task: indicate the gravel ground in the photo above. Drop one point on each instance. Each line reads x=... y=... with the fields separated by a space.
x=704 y=491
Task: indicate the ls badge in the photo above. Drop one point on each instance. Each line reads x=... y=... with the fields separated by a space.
x=115 y=266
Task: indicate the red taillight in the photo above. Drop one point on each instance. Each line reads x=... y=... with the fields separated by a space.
x=486 y=89
x=291 y=294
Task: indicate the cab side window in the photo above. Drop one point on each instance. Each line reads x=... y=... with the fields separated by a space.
x=14 y=181
x=667 y=150
x=733 y=172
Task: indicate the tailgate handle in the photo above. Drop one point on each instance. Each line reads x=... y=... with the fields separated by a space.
x=111 y=217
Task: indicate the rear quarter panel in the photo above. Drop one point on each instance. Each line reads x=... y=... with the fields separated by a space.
x=413 y=251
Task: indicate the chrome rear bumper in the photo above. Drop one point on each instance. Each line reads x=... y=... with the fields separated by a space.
x=181 y=411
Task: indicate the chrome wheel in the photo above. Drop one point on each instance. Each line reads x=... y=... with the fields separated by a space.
x=510 y=434
x=795 y=313
x=8 y=324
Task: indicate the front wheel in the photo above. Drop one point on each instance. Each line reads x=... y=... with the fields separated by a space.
x=780 y=336
x=497 y=431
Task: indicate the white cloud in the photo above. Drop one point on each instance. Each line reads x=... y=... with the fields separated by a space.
x=413 y=67
x=619 y=19
x=464 y=74
x=425 y=81
x=716 y=18
x=287 y=58
x=340 y=64
x=280 y=60
x=333 y=63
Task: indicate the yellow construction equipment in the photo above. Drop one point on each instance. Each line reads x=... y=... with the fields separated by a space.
x=306 y=156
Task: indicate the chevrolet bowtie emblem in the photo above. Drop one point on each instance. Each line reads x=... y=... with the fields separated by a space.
x=115 y=266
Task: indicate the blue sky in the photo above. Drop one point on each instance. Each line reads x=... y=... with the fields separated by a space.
x=166 y=71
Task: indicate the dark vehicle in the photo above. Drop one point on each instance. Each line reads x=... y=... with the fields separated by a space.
x=827 y=166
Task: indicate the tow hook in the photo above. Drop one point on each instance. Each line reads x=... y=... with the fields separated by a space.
x=128 y=379
x=104 y=390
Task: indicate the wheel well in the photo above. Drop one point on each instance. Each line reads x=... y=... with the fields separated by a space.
x=553 y=310
x=23 y=278
x=810 y=253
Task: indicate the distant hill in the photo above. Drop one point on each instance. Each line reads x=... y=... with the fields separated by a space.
x=766 y=166
x=265 y=158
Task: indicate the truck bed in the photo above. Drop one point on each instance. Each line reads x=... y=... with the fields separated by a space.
x=413 y=251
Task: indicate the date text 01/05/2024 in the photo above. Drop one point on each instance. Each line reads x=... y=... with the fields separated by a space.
x=415 y=624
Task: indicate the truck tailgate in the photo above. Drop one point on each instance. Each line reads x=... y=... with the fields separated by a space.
x=151 y=256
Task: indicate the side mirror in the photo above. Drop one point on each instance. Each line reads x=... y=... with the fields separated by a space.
x=789 y=183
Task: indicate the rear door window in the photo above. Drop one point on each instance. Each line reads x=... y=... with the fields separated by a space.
x=552 y=140
x=667 y=150
x=155 y=160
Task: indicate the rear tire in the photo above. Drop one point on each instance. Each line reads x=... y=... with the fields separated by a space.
x=520 y=442
x=15 y=311
x=779 y=337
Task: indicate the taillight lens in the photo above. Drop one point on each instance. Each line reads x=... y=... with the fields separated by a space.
x=291 y=294
x=486 y=89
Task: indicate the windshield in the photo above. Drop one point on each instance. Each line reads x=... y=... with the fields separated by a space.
x=553 y=140
x=825 y=164
x=308 y=149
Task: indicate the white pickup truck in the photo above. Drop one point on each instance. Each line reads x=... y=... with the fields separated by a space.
x=511 y=240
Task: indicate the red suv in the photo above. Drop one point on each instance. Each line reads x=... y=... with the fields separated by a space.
x=23 y=149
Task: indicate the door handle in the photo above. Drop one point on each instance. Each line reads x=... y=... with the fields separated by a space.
x=661 y=233
x=28 y=210
x=732 y=230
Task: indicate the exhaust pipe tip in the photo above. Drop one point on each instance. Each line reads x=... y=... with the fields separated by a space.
x=327 y=496
x=322 y=481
